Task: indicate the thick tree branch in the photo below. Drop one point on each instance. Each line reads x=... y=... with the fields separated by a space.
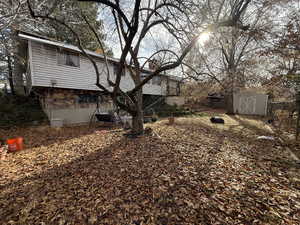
x=113 y=6
x=102 y=48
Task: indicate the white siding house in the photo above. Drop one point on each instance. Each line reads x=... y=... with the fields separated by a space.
x=65 y=79
x=46 y=70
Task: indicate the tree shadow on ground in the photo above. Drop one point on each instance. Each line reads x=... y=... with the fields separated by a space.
x=35 y=137
x=130 y=180
x=149 y=179
x=93 y=186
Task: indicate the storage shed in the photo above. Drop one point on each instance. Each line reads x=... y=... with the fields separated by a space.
x=250 y=103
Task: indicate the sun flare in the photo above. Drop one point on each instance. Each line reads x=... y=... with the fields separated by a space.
x=203 y=38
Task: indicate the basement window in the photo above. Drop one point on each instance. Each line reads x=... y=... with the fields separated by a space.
x=68 y=58
x=87 y=98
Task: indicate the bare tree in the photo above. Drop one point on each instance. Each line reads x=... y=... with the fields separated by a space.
x=6 y=57
x=230 y=56
x=133 y=26
x=11 y=13
x=284 y=45
x=13 y=16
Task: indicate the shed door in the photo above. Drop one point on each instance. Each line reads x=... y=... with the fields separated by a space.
x=247 y=105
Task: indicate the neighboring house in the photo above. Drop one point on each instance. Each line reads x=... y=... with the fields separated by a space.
x=65 y=79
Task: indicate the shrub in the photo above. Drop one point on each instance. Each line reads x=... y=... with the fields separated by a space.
x=20 y=111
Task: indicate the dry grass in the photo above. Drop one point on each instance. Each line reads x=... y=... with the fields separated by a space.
x=246 y=125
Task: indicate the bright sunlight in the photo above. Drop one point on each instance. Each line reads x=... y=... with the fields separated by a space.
x=203 y=38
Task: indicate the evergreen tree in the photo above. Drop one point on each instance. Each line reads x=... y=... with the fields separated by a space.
x=72 y=12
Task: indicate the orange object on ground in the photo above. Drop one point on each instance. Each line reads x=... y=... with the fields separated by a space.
x=15 y=144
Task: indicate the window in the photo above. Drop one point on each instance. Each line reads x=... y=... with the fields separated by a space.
x=68 y=58
x=87 y=98
x=116 y=69
x=156 y=80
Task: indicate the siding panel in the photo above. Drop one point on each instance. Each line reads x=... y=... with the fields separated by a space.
x=45 y=69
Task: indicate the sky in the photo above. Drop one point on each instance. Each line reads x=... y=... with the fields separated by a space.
x=156 y=38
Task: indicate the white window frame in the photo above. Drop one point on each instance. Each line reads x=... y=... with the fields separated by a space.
x=67 y=54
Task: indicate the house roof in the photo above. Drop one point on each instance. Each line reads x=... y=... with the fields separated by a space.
x=46 y=40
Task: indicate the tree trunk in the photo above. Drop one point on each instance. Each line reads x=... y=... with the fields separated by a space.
x=229 y=92
x=10 y=75
x=229 y=103
x=138 y=117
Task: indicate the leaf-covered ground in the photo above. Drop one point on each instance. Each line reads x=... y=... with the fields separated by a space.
x=187 y=173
